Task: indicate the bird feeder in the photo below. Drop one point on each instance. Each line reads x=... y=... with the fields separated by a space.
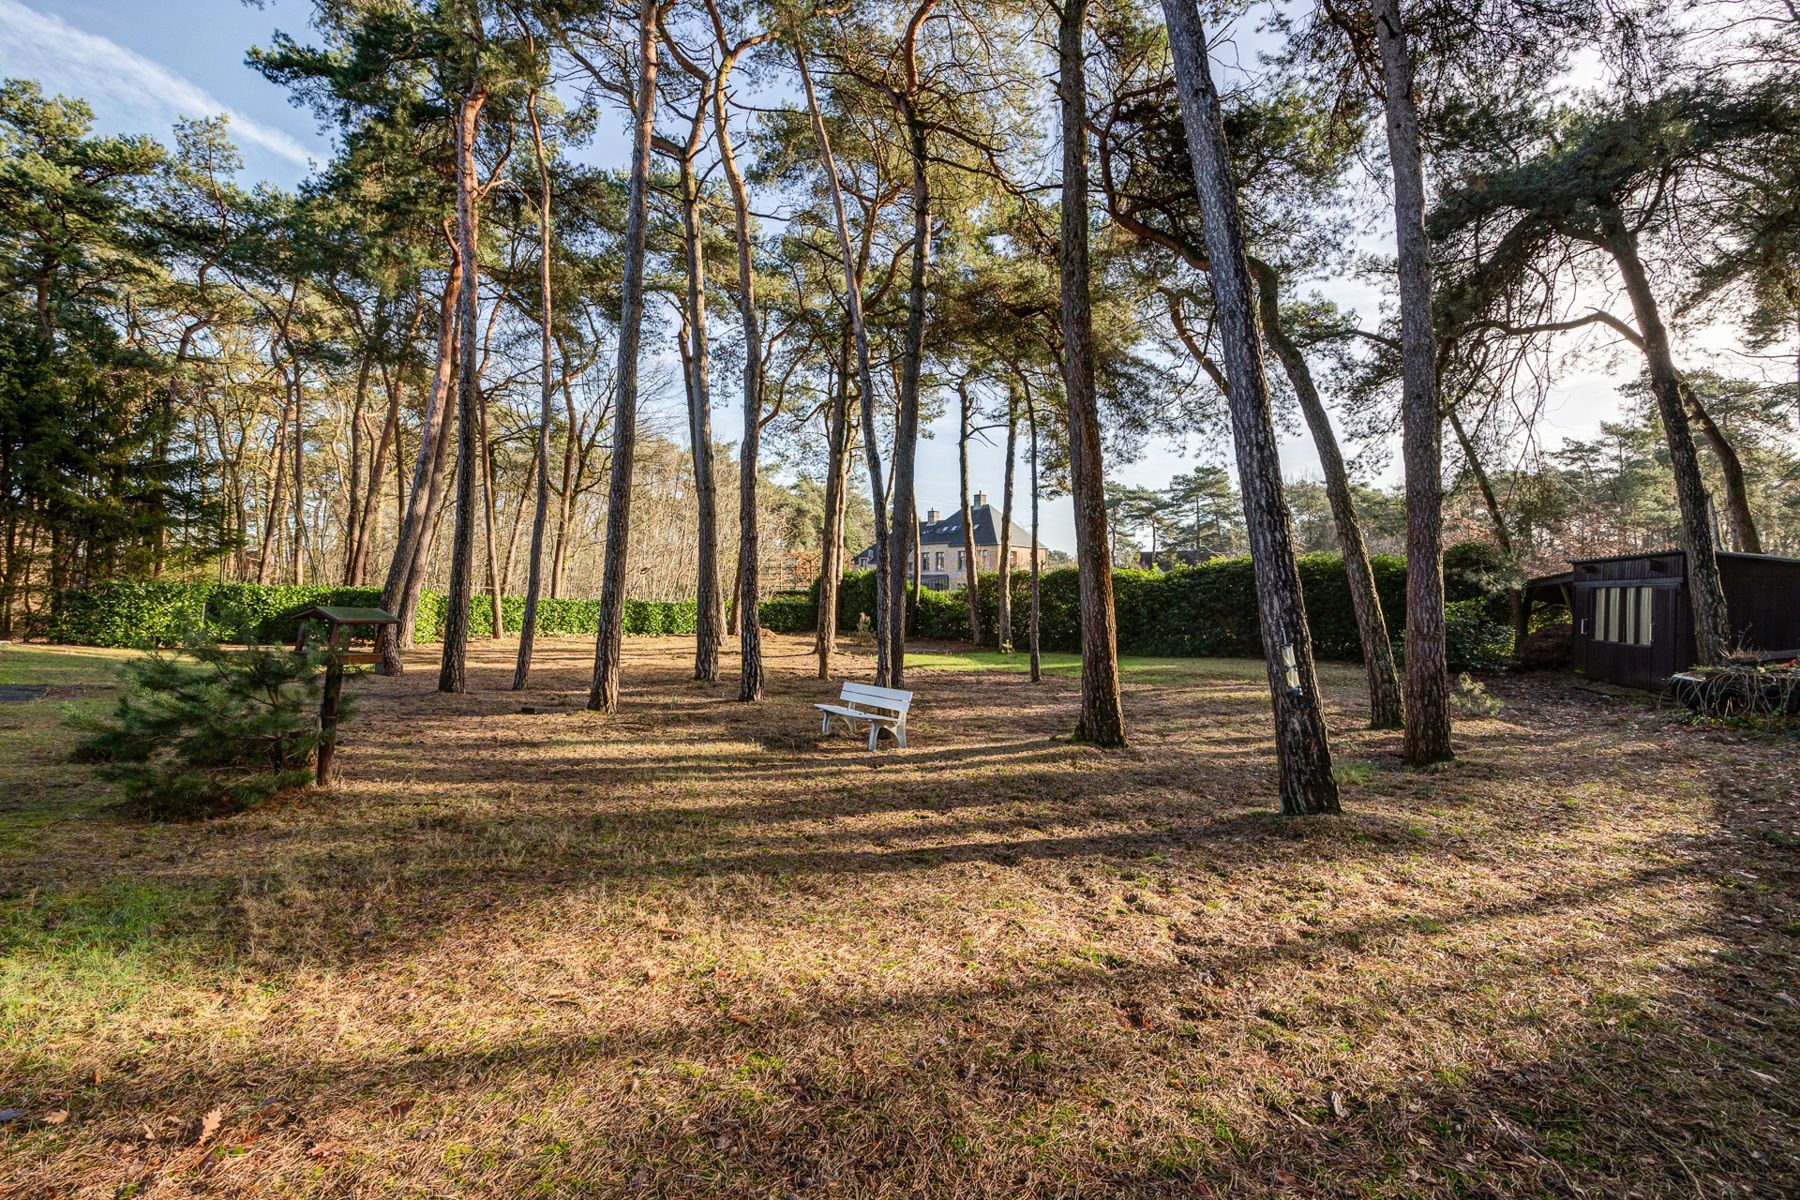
x=348 y=636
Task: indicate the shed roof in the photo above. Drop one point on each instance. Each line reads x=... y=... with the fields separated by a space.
x=348 y=616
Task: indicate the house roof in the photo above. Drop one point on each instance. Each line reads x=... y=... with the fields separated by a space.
x=949 y=531
x=987 y=528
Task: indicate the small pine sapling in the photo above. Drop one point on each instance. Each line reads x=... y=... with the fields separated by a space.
x=211 y=730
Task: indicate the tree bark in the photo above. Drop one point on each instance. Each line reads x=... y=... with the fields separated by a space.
x=1427 y=676
x=1102 y=719
x=540 y=516
x=470 y=448
x=904 y=539
x=603 y=695
x=1386 y=707
x=1301 y=746
x=709 y=635
x=831 y=538
x=1003 y=600
x=572 y=460
x=497 y=622
x=1037 y=671
x=299 y=568
x=750 y=678
x=865 y=382
x=353 y=510
x=1706 y=591
x=972 y=571
x=1731 y=471
x=400 y=594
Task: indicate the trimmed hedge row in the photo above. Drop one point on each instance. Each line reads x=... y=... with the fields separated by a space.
x=154 y=612
x=1203 y=611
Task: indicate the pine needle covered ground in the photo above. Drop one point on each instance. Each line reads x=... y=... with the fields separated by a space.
x=695 y=951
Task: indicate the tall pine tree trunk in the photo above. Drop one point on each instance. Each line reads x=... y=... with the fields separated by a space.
x=400 y=595
x=471 y=450
x=1102 y=719
x=831 y=538
x=1706 y=591
x=1386 y=707
x=1037 y=670
x=1301 y=748
x=353 y=509
x=299 y=568
x=709 y=626
x=534 y=581
x=972 y=570
x=1003 y=600
x=1427 y=676
x=903 y=542
x=865 y=382
x=497 y=618
x=750 y=678
x=603 y=694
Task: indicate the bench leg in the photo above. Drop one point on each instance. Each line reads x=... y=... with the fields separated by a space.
x=874 y=733
x=825 y=725
x=900 y=732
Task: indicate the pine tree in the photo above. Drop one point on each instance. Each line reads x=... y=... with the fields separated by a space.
x=212 y=730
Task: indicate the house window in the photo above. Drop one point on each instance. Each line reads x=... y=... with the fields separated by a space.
x=940 y=560
x=959 y=560
x=1645 y=631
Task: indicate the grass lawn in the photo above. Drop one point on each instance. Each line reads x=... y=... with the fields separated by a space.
x=694 y=950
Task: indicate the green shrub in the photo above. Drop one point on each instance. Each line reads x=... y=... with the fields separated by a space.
x=154 y=613
x=1473 y=639
x=797 y=613
x=1480 y=571
x=211 y=730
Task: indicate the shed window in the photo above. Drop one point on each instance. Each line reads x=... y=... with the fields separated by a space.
x=1622 y=615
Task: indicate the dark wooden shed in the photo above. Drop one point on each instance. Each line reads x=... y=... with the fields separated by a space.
x=1632 y=623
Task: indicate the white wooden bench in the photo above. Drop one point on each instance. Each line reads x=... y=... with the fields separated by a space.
x=882 y=708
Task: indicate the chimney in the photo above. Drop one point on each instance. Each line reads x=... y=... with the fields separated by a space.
x=931 y=516
x=980 y=499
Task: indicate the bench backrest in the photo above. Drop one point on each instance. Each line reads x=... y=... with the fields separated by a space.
x=863 y=695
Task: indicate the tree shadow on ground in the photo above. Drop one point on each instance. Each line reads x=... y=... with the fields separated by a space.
x=1550 y=968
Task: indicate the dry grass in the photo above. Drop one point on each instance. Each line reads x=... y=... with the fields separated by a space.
x=693 y=951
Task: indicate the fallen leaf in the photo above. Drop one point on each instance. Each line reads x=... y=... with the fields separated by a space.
x=1336 y=1100
x=209 y=1124
x=56 y=1116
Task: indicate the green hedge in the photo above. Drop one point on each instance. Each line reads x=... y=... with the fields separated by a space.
x=1204 y=611
x=790 y=613
x=134 y=613
x=1191 y=612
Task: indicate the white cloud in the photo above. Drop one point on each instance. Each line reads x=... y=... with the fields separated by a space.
x=127 y=87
